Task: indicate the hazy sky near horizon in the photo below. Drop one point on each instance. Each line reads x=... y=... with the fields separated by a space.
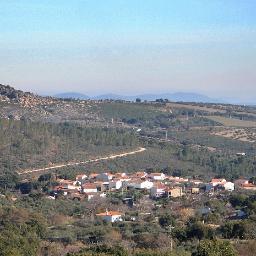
x=130 y=46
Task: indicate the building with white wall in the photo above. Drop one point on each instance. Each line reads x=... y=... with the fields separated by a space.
x=110 y=216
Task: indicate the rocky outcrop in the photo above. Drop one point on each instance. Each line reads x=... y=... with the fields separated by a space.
x=25 y=99
x=12 y=94
x=16 y=104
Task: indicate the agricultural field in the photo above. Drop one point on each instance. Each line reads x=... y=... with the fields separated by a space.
x=212 y=138
x=231 y=122
x=196 y=107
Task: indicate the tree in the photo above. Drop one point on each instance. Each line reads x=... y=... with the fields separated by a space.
x=18 y=241
x=239 y=229
x=45 y=177
x=166 y=220
x=26 y=187
x=160 y=100
x=199 y=231
x=238 y=200
x=215 y=248
x=253 y=180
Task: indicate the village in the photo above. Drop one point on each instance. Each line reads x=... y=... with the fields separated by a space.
x=155 y=186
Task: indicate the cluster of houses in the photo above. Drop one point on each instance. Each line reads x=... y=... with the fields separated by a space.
x=157 y=185
x=230 y=186
x=220 y=184
x=98 y=184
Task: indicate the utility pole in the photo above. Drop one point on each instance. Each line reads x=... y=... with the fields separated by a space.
x=170 y=227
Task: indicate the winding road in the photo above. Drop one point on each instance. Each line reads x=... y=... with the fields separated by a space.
x=84 y=162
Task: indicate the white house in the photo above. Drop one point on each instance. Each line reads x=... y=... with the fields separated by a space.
x=68 y=184
x=216 y=182
x=140 y=184
x=89 y=188
x=81 y=178
x=158 y=190
x=177 y=179
x=157 y=176
x=116 y=184
x=110 y=216
x=230 y=186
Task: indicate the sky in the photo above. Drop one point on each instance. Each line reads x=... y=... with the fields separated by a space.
x=130 y=46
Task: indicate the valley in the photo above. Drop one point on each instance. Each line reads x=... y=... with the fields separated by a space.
x=82 y=170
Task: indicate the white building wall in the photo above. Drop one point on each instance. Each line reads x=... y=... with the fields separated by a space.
x=229 y=186
x=162 y=177
x=90 y=190
x=113 y=218
x=116 y=184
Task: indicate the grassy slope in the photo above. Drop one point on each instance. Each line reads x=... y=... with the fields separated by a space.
x=128 y=111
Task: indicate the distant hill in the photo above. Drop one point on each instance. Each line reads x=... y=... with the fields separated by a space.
x=179 y=96
x=72 y=95
x=192 y=97
x=112 y=96
x=17 y=105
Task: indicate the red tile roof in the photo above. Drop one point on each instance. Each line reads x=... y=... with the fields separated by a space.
x=248 y=185
x=156 y=174
x=217 y=180
x=109 y=213
x=89 y=186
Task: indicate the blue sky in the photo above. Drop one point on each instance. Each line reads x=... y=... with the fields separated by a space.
x=130 y=46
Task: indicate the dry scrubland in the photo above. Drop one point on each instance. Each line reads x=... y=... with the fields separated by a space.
x=237 y=134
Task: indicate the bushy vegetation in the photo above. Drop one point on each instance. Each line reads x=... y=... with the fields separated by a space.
x=33 y=222
x=26 y=144
x=20 y=231
x=151 y=115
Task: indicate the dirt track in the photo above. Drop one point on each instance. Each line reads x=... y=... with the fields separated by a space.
x=83 y=162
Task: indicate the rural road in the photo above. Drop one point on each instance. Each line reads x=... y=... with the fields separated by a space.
x=84 y=162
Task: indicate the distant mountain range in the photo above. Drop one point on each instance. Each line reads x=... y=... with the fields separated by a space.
x=72 y=95
x=179 y=96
